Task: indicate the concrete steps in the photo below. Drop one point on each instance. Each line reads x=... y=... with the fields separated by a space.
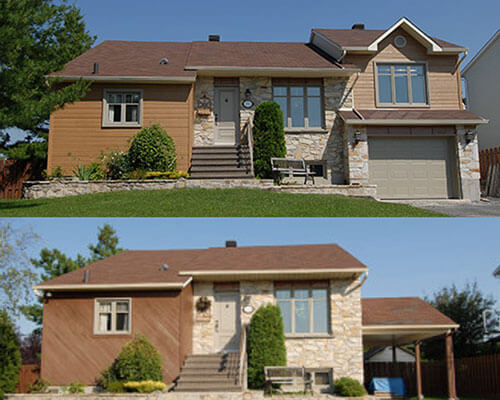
x=220 y=162
x=209 y=373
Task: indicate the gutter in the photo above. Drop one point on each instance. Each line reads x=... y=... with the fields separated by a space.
x=126 y=79
x=113 y=287
x=274 y=272
x=329 y=71
x=376 y=328
x=423 y=122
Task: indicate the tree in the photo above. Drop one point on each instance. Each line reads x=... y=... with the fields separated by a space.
x=31 y=347
x=54 y=263
x=266 y=344
x=37 y=37
x=16 y=273
x=465 y=307
x=269 y=137
x=10 y=356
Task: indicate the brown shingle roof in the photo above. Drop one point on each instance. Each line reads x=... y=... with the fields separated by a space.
x=364 y=37
x=257 y=55
x=125 y=58
x=420 y=114
x=144 y=266
x=401 y=311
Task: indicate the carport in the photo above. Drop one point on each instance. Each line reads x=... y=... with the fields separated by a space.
x=409 y=320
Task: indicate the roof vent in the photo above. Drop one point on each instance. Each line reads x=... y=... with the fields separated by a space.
x=95 y=71
x=164 y=60
x=164 y=267
x=86 y=276
x=214 y=38
x=361 y=27
x=231 y=243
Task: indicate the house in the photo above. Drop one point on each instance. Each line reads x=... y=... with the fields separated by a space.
x=389 y=354
x=195 y=306
x=483 y=88
x=361 y=106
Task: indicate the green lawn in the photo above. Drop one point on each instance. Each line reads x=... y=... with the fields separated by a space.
x=207 y=203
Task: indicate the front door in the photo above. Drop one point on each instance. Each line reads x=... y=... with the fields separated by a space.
x=227 y=321
x=226 y=114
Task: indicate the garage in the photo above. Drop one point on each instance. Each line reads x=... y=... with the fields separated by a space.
x=416 y=167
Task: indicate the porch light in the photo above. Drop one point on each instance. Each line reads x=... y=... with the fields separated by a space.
x=357 y=137
x=248 y=93
x=469 y=136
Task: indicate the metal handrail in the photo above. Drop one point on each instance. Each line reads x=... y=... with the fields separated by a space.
x=243 y=356
x=246 y=138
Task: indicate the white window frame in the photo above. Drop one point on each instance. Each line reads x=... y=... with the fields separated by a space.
x=288 y=118
x=113 y=301
x=106 y=123
x=392 y=64
x=310 y=301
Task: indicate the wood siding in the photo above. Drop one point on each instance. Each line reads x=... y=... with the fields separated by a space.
x=443 y=76
x=76 y=135
x=71 y=352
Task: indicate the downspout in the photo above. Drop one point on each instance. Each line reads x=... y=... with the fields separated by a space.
x=459 y=76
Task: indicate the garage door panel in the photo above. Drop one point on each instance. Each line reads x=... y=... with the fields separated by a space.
x=411 y=167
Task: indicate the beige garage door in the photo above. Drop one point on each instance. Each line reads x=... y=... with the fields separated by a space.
x=412 y=167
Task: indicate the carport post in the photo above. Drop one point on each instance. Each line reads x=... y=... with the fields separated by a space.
x=420 y=396
x=450 y=366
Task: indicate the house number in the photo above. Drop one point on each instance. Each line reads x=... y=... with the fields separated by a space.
x=248 y=309
x=247 y=103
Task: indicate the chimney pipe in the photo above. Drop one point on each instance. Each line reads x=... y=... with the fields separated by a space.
x=214 y=38
x=231 y=243
x=96 y=69
x=86 y=276
x=360 y=27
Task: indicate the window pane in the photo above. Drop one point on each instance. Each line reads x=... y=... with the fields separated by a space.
x=296 y=91
x=283 y=294
x=384 y=89
x=302 y=316
x=319 y=293
x=136 y=97
x=105 y=322
x=286 y=313
x=279 y=91
x=400 y=69
x=384 y=69
x=313 y=91
x=297 y=111
x=118 y=97
x=105 y=307
x=301 y=293
x=131 y=113
x=115 y=113
x=128 y=98
x=122 y=306
x=401 y=83
x=320 y=316
x=283 y=104
x=321 y=378
x=122 y=322
x=418 y=89
x=314 y=111
x=417 y=69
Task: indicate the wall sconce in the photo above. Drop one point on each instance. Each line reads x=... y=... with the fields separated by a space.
x=469 y=136
x=248 y=93
x=357 y=137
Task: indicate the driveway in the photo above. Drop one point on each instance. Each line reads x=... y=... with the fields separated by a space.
x=458 y=208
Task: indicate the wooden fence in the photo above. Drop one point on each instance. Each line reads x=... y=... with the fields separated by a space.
x=475 y=376
x=487 y=158
x=12 y=175
x=27 y=376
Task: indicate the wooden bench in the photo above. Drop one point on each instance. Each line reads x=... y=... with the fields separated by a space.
x=290 y=166
x=287 y=376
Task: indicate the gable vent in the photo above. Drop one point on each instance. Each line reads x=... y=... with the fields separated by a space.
x=164 y=60
x=360 y=27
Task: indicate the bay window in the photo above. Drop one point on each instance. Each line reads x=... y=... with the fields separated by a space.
x=122 y=108
x=401 y=84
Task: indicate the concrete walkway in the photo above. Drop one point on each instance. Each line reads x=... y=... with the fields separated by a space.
x=457 y=208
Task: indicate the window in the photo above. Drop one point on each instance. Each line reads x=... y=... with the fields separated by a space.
x=318 y=168
x=122 y=108
x=112 y=316
x=304 y=309
x=401 y=84
x=301 y=105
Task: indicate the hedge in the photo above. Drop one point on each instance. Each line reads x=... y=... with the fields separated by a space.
x=10 y=355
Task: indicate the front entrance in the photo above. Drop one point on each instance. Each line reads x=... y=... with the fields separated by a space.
x=226 y=115
x=227 y=321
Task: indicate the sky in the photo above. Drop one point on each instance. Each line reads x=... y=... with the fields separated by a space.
x=406 y=257
x=468 y=23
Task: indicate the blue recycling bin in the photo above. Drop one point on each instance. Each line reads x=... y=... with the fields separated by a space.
x=391 y=385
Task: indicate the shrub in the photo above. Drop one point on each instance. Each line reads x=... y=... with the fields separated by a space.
x=266 y=344
x=137 y=361
x=39 y=386
x=152 y=150
x=348 y=387
x=116 y=164
x=92 y=172
x=10 y=355
x=115 y=387
x=56 y=173
x=75 y=387
x=144 y=386
x=166 y=175
x=269 y=137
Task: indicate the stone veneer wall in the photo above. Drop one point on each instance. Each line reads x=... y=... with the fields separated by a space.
x=318 y=145
x=468 y=165
x=341 y=350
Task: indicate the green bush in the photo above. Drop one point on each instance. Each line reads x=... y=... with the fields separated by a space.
x=144 y=386
x=348 y=387
x=115 y=387
x=268 y=137
x=10 y=355
x=152 y=150
x=92 y=172
x=75 y=387
x=166 y=175
x=137 y=361
x=39 y=386
x=266 y=344
x=116 y=164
